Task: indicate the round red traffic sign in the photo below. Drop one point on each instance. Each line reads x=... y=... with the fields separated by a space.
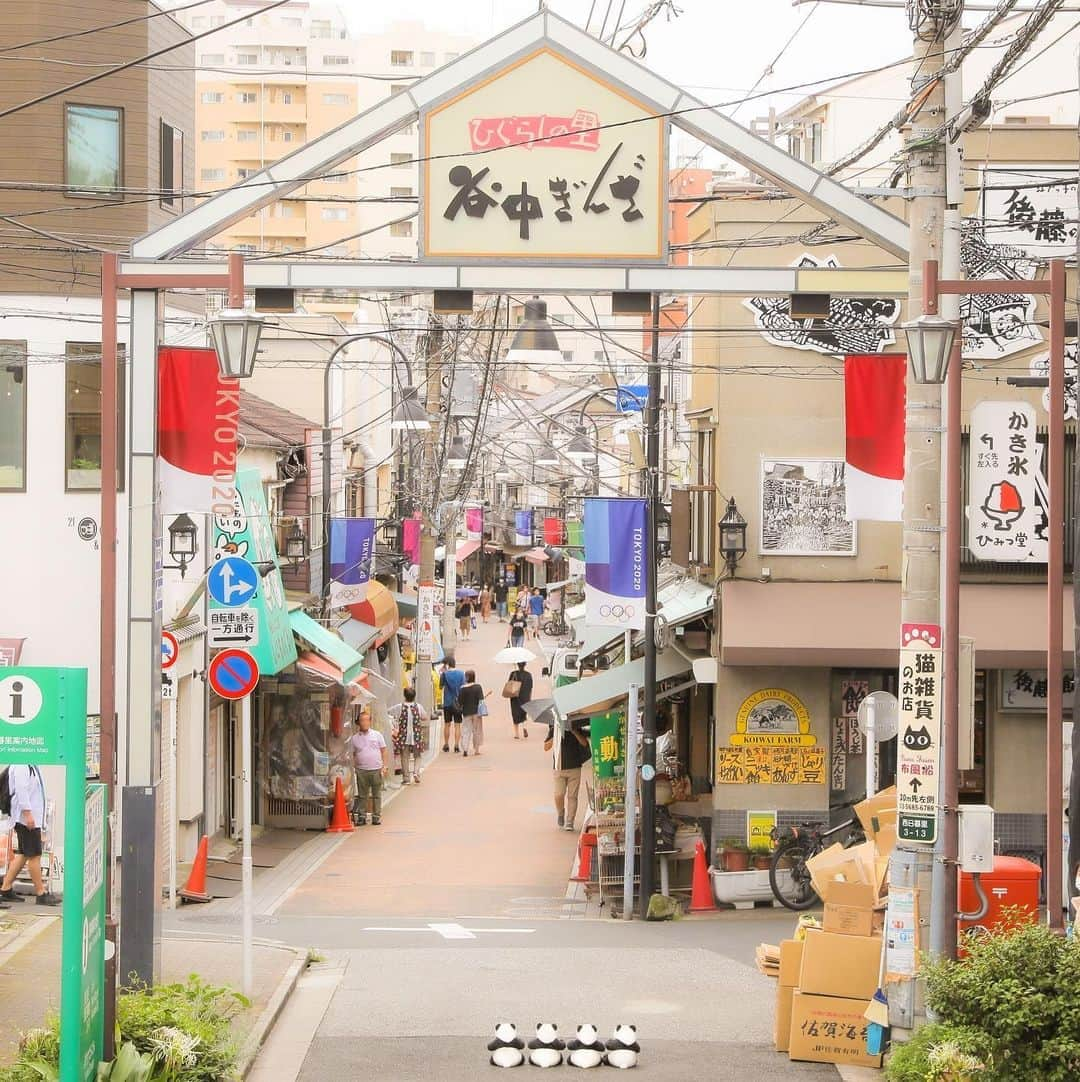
x=233 y=674
x=170 y=649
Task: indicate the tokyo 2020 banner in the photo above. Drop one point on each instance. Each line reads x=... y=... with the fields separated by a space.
x=615 y=563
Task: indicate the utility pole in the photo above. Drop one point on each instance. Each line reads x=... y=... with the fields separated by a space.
x=920 y=584
x=429 y=493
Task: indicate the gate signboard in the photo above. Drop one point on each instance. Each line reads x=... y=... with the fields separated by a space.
x=919 y=746
x=543 y=160
x=43 y=722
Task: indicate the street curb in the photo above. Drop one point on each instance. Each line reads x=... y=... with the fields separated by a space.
x=270 y=1013
x=25 y=938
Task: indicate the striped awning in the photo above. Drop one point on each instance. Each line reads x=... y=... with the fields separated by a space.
x=379 y=609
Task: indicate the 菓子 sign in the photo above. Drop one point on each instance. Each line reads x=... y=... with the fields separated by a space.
x=1004 y=521
x=543 y=160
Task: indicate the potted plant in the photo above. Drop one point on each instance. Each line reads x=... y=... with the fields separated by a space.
x=761 y=856
x=735 y=855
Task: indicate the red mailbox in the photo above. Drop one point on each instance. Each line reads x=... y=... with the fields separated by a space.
x=1014 y=883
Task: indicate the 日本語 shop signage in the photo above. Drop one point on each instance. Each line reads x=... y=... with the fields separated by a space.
x=773 y=717
x=919 y=744
x=543 y=160
x=1025 y=689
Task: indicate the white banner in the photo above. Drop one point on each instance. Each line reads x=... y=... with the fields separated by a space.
x=425 y=622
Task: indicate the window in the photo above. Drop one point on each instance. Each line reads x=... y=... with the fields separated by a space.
x=247 y=58
x=427 y=60
x=198 y=22
x=794 y=146
x=397 y=88
x=401 y=159
x=283 y=210
x=335 y=178
x=702 y=500
x=292 y=22
x=815 y=142
x=335 y=99
x=320 y=28
x=401 y=58
x=246 y=249
x=212 y=174
x=335 y=214
x=212 y=60
x=94 y=142
x=12 y=416
x=247 y=97
x=217 y=136
x=172 y=166
x=401 y=193
x=401 y=229
x=335 y=61
x=286 y=136
x=212 y=97
x=82 y=416
x=286 y=98
x=243 y=174
x=246 y=136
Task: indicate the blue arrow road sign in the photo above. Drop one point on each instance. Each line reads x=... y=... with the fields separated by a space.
x=232 y=581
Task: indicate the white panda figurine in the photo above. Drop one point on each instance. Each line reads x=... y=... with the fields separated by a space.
x=546 y=1049
x=586 y=1049
x=623 y=1049
x=507 y=1050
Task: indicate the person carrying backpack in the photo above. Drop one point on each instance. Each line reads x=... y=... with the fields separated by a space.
x=410 y=735
x=26 y=792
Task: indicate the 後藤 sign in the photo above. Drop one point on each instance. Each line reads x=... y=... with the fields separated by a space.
x=543 y=160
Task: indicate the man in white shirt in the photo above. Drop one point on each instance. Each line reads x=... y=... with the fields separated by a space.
x=28 y=812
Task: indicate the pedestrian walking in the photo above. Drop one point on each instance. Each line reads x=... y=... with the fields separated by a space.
x=371 y=765
x=501 y=592
x=521 y=602
x=519 y=697
x=472 y=699
x=485 y=603
x=518 y=624
x=464 y=617
x=570 y=752
x=451 y=682
x=410 y=735
x=536 y=612
x=27 y=791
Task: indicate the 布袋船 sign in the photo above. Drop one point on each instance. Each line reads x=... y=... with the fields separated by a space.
x=543 y=160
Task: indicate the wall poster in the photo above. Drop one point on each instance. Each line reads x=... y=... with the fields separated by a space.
x=770 y=765
x=804 y=508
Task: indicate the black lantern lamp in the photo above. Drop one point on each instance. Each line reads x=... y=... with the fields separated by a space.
x=663 y=531
x=183 y=542
x=930 y=342
x=732 y=536
x=296 y=549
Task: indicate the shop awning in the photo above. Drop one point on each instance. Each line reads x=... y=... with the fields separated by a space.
x=327 y=645
x=406 y=606
x=684 y=601
x=360 y=636
x=857 y=624
x=379 y=609
x=536 y=556
x=592 y=693
x=465 y=549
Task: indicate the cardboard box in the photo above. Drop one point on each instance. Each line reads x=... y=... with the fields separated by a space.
x=848 y=919
x=835 y=863
x=877 y=811
x=840 y=965
x=782 y=1019
x=829 y=1029
x=790 y=962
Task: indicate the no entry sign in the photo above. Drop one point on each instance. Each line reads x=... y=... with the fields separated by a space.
x=170 y=649
x=233 y=674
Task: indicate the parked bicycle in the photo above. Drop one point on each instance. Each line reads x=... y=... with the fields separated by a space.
x=789 y=878
x=555 y=625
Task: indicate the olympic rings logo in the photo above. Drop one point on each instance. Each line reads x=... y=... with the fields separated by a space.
x=617 y=612
x=350 y=593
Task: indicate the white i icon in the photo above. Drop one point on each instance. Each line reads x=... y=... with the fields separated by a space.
x=20 y=700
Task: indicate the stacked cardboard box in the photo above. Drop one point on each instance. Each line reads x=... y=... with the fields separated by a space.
x=828 y=975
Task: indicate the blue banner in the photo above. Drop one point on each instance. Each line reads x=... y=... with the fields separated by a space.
x=523 y=527
x=615 y=544
x=352 y=547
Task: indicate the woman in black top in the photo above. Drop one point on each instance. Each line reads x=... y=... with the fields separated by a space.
x=517 y=703
x=464 y=617
x=470 y=697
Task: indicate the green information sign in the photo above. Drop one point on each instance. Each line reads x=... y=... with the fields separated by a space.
x=607 y=737
x=246 y=532
x=43 y=721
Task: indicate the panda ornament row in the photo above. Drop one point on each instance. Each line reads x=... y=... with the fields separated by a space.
x=546 y=1049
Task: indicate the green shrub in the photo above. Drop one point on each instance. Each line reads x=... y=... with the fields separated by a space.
x=1019 y=986
x=940 y=1052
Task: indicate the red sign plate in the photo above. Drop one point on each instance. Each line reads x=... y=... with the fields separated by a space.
x=233 y=674
x=170 y=649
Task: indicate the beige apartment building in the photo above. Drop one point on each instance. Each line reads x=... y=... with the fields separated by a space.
x=809 y=617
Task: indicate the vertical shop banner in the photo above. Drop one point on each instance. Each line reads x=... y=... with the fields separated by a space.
x=607 y=739
x=245 y=531
x=1003 y=520
x=874 y=405
x=474 y=523
x=523 y=525
x=410 y=539
x=553 y=531
x=198 y=414
x=352 y=547
x=575 y=536
x=425 y=621
x=615 y=563
x=919 y=747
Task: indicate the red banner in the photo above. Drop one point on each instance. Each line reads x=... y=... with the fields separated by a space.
x=553 y=531
x=198 y=414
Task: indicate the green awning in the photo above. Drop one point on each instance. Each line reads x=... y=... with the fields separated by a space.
x=406 y=606
x=327 y=645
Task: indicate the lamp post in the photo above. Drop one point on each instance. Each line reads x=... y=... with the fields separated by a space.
x=183 y=542
x=935 y=350
x=732 y=536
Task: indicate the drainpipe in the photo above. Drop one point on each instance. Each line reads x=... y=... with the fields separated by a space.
x=371 y=477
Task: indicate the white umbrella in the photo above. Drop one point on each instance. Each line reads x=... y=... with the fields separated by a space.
x=511 y=655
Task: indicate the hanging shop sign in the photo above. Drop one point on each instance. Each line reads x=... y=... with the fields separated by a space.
x=919 y=744
x=770 y=765
x=1032 y=208
x=1025 y=690
x=1004 y=523
x=543 y=160
x=607 y=739
x=773 y=717
x=425 y=622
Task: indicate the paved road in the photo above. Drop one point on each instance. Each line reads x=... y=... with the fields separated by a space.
x=451 y=917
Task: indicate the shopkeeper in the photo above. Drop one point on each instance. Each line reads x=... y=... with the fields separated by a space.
x=570 y=752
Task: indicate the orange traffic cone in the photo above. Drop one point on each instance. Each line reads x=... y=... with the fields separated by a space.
x=701 y=896
x=340 y=823
x=194 y=890
x=586 y=844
